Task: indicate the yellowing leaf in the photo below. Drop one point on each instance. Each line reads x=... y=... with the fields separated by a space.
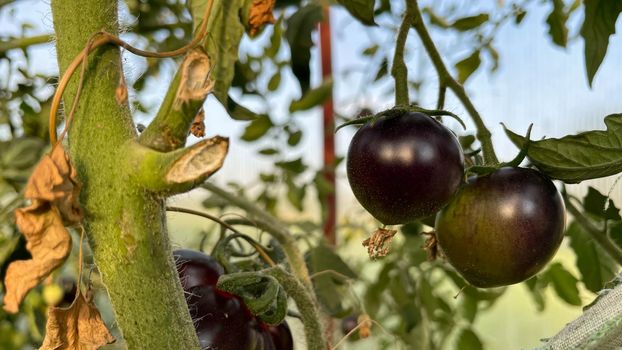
x=49 y=244
x=79 y=327
x=260 y=14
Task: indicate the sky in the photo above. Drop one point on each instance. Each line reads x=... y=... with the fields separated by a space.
x=536 y=82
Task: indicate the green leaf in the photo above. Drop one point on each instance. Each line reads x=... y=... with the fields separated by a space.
x=363 y=10
x=564 y=283
x=313 y=97
x=615 y=232
x=468 y=340
x=294 y=138
x=21 y=153
x=257 y=128
x=601 y=206
x=598 y=26
x=296 y=195
x=468 y=66
x=330 y=287
x=370 y=51
x=225 y=28
x=519 y=13
x=275 y=39
x=275 y=81
x=239 y=112
x=383 y=70
x=300 y=25
x=535 y=285
x=575 y=158
x=262 y=294
x=295 y=166
x=594 y=264
x=471 y=22
x=269 y=151
x=435 y=19
x=557 y=23
x=469 y=308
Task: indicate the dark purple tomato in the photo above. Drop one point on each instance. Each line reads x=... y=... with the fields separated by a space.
x=405 y=167
x=196 y=268
x=281 y=336
x=223 y=322
x=502 y=228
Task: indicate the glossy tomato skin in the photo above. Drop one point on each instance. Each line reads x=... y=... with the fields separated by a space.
x=405 y=167
x=196 y=268
x=281 y=336
x=222 y=320
x=502 y=228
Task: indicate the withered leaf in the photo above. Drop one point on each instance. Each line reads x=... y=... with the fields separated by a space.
x=260 y=14
x=53 y=189
x=78 y=327
x=198 y=125
x=49 y=244
x=56 y=180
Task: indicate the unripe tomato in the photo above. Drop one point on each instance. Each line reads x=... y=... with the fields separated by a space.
x=404 y=167
x=502 y=228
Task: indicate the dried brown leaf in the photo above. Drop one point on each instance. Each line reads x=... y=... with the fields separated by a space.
x=53 y=189
x=198 y=125
x=379 y=243
x=79 y=327
x=56 y=180
x=260 y=14
x=48 y=242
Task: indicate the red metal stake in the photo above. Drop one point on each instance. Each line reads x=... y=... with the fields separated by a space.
x=329 y=131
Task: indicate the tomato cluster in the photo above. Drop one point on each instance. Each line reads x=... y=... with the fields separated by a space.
x=496 y=229
x=222 y=320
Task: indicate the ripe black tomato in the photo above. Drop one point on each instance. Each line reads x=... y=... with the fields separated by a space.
x=404 y=167
x=281 y=336
x=196 y=269
x=502 y=228
x=222 y=320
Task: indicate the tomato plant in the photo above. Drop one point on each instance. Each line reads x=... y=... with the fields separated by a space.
x=88 y=192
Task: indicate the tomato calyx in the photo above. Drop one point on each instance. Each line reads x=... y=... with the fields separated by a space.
x=514 y=163
x=379 y=243
x=398 y=111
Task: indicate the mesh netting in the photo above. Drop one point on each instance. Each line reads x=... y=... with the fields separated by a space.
x=600 y=326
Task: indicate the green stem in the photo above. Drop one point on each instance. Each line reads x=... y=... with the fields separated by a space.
x=266 y=222
x=598 y=235
x=399 y=71
x=22 y=43
x=306 y=307
x=184 y=98
x=446 y=79
x=125 y=223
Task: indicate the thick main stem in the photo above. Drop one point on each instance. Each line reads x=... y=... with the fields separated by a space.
x=446 y=79
x=125 y=223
